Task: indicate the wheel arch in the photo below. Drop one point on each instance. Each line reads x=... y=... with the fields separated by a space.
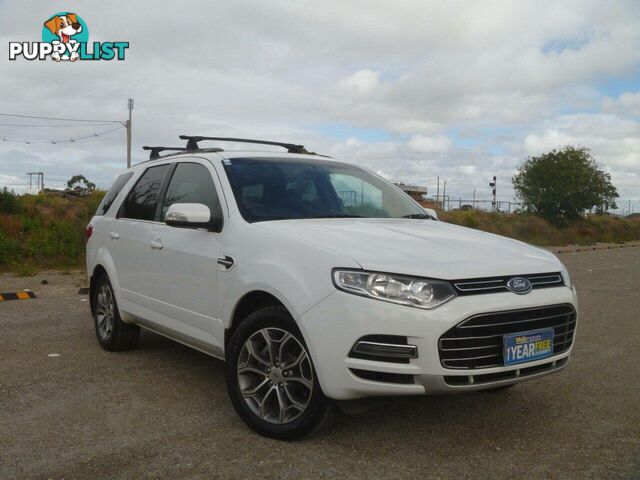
x=249 y=303
x=98 y=270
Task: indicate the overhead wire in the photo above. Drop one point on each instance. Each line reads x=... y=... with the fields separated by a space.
x=65 y=140
x=59 y=119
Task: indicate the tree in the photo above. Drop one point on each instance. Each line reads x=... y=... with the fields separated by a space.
x=561 y=184
x=79 y=184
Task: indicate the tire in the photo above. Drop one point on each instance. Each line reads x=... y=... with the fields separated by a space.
x=113 y=334
x=260 y=386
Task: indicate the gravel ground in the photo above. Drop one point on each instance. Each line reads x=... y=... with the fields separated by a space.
x=162 y=411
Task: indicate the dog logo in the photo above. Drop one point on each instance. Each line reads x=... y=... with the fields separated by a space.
x=519 y=285
x=65 y=37
x=64 y=26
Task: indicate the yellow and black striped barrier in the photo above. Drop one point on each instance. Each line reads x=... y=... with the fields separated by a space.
x=26 y=295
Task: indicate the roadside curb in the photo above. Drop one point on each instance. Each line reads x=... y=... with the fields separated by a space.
x=24 y=295
x=592 y=248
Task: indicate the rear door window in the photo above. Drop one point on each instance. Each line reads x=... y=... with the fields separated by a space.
x=113 y=192
x=142 y=201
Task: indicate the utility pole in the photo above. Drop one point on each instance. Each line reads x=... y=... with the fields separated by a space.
x=128 y=124
x=444 y=195
x=493 y=185
x=39 y=180
x=474 y=199
x=438 y=193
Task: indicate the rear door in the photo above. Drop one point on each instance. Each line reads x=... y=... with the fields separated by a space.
x=130 y=239
x=184 y=267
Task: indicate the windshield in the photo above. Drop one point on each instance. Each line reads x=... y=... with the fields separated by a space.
x=279 y=189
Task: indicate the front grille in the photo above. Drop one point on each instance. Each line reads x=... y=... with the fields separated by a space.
x=476 y=286
x=468 y=380
x=477 y=341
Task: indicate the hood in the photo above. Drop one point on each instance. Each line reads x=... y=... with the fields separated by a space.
x=419 y=247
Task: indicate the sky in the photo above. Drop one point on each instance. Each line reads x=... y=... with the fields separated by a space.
x=414 y=90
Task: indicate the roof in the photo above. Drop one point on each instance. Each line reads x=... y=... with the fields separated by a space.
x=220 y=155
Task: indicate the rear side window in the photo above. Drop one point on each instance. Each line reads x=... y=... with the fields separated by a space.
x=113 y=192
x=143 y=199
x=192 y=183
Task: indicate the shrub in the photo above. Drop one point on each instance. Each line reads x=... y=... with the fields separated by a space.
x=9 y=202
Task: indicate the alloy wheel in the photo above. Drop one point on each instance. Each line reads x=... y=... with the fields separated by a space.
x=105 y=309
x=275 y=375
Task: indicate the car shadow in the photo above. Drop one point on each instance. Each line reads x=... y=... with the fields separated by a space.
x=509 y=412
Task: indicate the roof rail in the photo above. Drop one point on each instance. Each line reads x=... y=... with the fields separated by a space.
x=192 y=143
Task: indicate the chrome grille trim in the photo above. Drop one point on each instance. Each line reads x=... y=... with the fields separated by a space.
x=499 y=284
x=461 y=348
x=386 y=349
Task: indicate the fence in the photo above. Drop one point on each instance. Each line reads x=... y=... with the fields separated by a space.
x=447 y=203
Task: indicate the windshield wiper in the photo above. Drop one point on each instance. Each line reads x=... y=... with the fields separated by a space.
x=424 y=216
x=339 y=215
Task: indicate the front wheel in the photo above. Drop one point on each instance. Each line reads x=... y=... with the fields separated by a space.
x=271 y=379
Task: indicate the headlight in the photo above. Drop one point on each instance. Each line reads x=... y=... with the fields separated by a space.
x=415 y=292
x=565 y=276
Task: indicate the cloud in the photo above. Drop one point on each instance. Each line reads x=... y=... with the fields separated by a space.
x=361 y=82
x=433 y=144
x=461 y=90
x=626 y=104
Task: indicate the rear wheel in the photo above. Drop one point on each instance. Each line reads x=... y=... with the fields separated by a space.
x=271 y=379
x=113 y=334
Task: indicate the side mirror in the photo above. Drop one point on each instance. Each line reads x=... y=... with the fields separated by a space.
x=192 y=215
x=432 y=212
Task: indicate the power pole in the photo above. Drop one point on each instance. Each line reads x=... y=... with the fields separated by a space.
x=128 y=124
x=493 y=185
x=438 y=193
x=39 y=180
x=474 y=199
x=444 y=195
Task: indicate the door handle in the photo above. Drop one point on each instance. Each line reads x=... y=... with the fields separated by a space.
x=227 y=262
x=114 y=235
x=157 y=244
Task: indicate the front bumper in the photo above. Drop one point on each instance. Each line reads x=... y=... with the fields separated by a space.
x=333 y=326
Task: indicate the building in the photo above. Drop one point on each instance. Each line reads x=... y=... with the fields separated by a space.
x=414 y=191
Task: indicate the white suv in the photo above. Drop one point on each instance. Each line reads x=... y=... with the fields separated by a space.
x=317 y=280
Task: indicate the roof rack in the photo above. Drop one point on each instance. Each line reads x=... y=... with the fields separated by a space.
x=155 y=151
x=192 y=143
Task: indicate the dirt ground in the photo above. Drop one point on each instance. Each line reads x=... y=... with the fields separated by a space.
x=71 y=410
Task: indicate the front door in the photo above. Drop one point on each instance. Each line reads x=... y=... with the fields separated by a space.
x=183 y=265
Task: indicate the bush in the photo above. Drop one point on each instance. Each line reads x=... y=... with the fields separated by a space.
x=533 y=229
x=45 y=231
x=9 y=202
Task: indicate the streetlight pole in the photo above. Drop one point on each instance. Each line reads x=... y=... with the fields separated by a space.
x=128 y=123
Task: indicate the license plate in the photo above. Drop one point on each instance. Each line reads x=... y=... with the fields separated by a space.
x=528 y=346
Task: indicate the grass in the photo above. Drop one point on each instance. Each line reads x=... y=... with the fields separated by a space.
x=38 y=231
x=533 y=229
x=41 y=232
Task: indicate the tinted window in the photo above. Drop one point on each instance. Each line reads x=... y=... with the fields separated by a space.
x=277 y=189
x=113 y=192
x=143 y=199
x=191 y=183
